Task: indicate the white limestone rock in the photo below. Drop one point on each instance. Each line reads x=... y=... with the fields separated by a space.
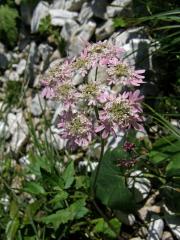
x=19 y=130
x=40 y=12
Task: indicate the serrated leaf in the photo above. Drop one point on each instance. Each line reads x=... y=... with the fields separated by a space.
x=76 y=210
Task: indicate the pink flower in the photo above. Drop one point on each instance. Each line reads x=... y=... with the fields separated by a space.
x=48 y=92
x=76 y=128
x=82 y=64
x=66 y=93
x=119 y=72
x=122 y=111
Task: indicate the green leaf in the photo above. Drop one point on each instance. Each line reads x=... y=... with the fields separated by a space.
x=13 y=209
x=61 y=196
x=157 y=157
x=68 y=175
x=111 y=188
x=31 y=211
x=34 y=188
x=82 y=182
x=171 y=196
x=76 y=210
x=11 y=229
x=102 y=227
x=173 y=168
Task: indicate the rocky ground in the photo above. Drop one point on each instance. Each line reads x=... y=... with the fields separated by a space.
x=22 y=68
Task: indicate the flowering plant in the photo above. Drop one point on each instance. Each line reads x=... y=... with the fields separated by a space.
x=96 y=107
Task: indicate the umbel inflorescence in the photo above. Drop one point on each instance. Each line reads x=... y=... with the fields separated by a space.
x=96 y=107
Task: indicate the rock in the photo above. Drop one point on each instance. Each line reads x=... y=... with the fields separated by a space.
x=58 y=4
x=155 y=229
x=58 y=111
x=167 y=236
x=128 y=219
x=105 y=30
x=136 y=238
x=19 y=130
x=100 y=75
x=99 y=8
x=3 y=61
x=59 y=17
x=24 y=161
x=86 y=13
x=145 y=210
x=45 y=51
x=88 y=165
x=53 y=138
x=40 y=12
x=4 y=131
x=141 y=135
x=21 y=67
x=175 y=123
x=174 y=224
x=13 y=76
x=137 y=46
x=119 y=7
x=68 y=29
x=141 y=184
x=55 y=55
x=80 y=38
x=77 y=79
x=2 y=48
x=37 y=105
x=74 y=5
x=30 y=69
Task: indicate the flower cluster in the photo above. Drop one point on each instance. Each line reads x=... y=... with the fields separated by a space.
x=95 y=108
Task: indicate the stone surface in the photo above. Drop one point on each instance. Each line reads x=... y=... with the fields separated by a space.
x=53 y=138
x=58 y=4
x=137 y=46
x=40 y=12
x=44 y=51
x=80 y=38
x=24 y=161
x=19 y=130
x=59 y=17
x=119 y=7
x=86 y=13
x=167 y=236
x=37 y=105
x=21 y=67
x=105 y=30
x=99 y=8
x=13 y=76
x=155 y=229
x=174 y=224
x=30 y=70
x=3 y=61
x=140 y=183
x=74 y=5
x=68 y=29
x=145 y=210
x=4 y=131
x=128 y=219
